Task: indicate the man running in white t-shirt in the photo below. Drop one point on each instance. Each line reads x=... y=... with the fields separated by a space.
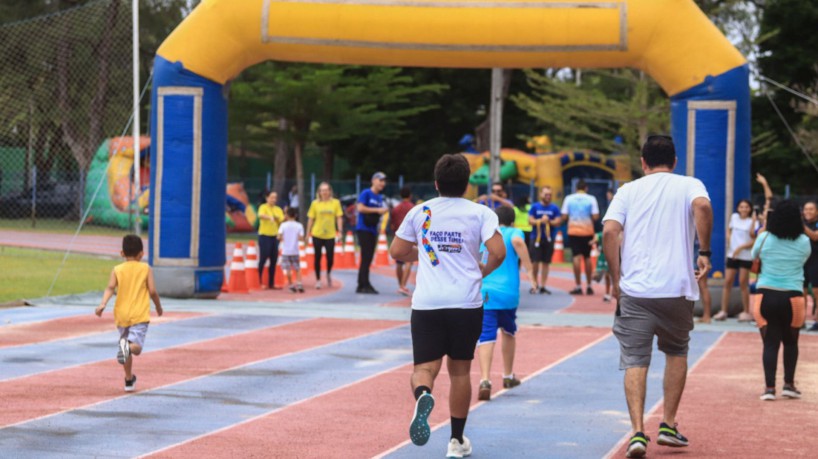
x=444 y=235
x=653 y=221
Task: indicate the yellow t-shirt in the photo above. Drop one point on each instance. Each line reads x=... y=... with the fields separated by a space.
x=268 y=227
x=324 y=215
x=133 y=304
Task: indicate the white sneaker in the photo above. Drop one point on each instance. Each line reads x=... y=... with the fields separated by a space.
x=606 y=298
x=318 y=285
x=124 y=351
x=457 y=449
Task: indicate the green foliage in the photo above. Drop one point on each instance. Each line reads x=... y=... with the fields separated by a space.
x=607 y=103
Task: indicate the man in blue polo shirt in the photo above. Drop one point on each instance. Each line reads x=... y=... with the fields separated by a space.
x=544 y=217
x=370 y=209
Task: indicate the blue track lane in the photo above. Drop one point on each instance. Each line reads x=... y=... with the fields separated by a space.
x=576 y=409
x=151 y=420
x=23 y=315
x=37 y=358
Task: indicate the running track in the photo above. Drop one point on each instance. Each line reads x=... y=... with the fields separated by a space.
x=220 y=383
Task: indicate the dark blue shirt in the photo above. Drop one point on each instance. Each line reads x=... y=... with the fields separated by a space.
x=492 y=204
x=369 y=199
x=538 y=210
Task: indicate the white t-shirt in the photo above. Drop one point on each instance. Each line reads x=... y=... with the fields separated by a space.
x=290 y=232
x=740 y=235
x=657 y=249
x=448 y=232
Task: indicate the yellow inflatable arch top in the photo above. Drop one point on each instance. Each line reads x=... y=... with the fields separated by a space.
x=671 y=40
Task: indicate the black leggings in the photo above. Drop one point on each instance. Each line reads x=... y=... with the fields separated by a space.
x=779 y=316
x=320 y=244
x=267 y=249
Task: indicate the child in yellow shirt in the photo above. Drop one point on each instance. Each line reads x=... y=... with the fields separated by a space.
x=135 y=287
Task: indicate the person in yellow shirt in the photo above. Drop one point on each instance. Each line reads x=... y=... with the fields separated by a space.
x=270 y=218
x=135 y=287
x=324 y=224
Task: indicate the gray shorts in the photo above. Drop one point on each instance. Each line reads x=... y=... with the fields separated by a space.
x=290 y=263
x=135 y=333
x=638 y=319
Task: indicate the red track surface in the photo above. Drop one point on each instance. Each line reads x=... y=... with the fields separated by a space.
x=35 y=396
x=380 y=406
x=722 y=416
x=71 y=327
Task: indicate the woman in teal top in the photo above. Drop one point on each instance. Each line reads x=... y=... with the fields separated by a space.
x=779 y=308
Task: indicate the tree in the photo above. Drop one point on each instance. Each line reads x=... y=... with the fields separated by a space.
x=608 y=103
x=322 y=104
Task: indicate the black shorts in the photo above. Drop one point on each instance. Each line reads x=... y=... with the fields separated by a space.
x=543 y=252
x=580 y=245
x=439 y=332
x=811 y=273
x=735 y=263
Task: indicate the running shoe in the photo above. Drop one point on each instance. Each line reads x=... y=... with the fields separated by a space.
x=508 y=383
x=576 y=291
x=300 y=288
x=745 y=317
x=545 y=290
x=670 y=436
x=721 y=315
x=768 y=395
x=130 y=385
x=606 y=298
x=419 y=431
x=638 y=445
x=457 y=449
x=814 y=327
x=533 y=290
x=484 y=393
x=293 y=289
x=124 y=351
x=318 y=285
x=589 y=291
x=329 y=280
x=790 y=391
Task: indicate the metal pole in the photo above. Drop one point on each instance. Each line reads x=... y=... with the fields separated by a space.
x=137 y=179
x=34 y=196
x=496 y=124
x=787 y=192
x=400 y=182
x=357 y=185
x=312 y=188
x=269 y=181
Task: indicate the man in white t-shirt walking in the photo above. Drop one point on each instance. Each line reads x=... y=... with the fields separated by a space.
x=444 y=235
x=653 y=221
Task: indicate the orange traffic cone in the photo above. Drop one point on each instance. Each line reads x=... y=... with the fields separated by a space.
x=349 y=251
x=251 y=267
x=382 y=254
x=302 y=257
x=594 y=256
x=265 y=275
x=238 y=281
x=310 y=255
x=225 y=289
x=559 y=249
x=339 y=260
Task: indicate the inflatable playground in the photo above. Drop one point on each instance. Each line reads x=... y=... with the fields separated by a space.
x=545 y=167
x=118 y=200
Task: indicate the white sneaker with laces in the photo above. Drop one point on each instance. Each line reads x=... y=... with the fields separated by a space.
x=457 y=449
x=124 y=351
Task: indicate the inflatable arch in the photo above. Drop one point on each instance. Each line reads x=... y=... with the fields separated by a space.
x=671 y=40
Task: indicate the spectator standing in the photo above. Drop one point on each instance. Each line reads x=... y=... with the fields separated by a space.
x=521 y=208
x=324 y=225
x=811 y=266
x=648 y=239
x=498 y=197
x=740 y=236
x=402 y=269
x=545 y=217
x=293 y=198
x=370 y=208
x=581 y=210
x=270 y=218
x=778 y=307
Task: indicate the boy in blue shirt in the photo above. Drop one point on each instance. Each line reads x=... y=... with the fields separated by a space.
x=501 y=296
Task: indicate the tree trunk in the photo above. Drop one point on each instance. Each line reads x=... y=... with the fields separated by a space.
x=280 y=161
x=329 y=163
x=302 y=128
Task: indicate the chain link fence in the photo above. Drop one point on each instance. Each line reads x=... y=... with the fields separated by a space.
x=65 y=89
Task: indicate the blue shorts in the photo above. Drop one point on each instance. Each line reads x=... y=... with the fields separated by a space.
x=497 y=319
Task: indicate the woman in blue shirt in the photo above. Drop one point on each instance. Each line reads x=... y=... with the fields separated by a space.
x=779 y=306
